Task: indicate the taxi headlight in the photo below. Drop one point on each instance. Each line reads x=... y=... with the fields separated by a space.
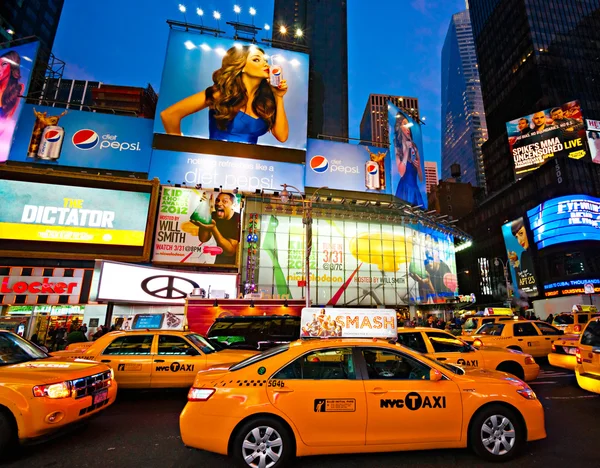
x=57 y=390
x=200 y=394
x=527 y=393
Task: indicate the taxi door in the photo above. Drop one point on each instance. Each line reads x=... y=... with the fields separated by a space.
x=589 y=349
x=528 y=338
x=446 y=348
x=403 y=406
x=130 y=357
x=321 y=394
x=176 y=362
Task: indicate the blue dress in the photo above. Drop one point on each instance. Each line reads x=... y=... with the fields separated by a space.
x=242 y=129
x=408 y=187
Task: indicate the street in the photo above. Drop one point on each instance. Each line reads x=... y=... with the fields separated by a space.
x=141 y=429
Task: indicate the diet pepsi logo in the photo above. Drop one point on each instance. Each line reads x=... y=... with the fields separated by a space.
x=52 y=136
x=372 y=169
x=319 y=164
x=85 y=139
x=276 y=71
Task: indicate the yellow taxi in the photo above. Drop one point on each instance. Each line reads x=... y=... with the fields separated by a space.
x=155 y=358
x=574 y=322
x=531 y=336
x=41 y=395
x=587 y=370
x=564 y=351
x=490 y=315
x=445 y=347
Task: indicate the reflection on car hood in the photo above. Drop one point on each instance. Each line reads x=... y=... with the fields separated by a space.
x=493 y=376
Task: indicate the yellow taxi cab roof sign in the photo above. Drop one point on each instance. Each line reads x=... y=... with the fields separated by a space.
x=584 y=308
x=321 y=322
x=498 y=311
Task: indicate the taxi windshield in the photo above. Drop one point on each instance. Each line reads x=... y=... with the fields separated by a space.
x=494 y=329
x=453 y=369
x=15 y=350
x=471 y=324
x=564 y=319
x=202 y=343
x=260 y=357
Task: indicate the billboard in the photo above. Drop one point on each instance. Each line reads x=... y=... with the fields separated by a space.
x=354 y=263
x=197 y=227
x=59 y=213
x=348 y=323
x=228 y=173
x=342 y=166
x=408 y=161
x=16 y=65
x=65 y=137
x=535 y=138
x=565 y=219
x=206 y=84
x=593 y=137
x=520 y=262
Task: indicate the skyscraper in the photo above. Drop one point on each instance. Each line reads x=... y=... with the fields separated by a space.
x=374 y=122
x=431 y=175
x=533 y=55
x=464 y=128
x=324 y=31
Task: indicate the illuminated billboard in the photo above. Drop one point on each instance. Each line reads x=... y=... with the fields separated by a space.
x=520 y=262
x=535 y=138
x=215 y=88
x=565 y=219
x=593 y=138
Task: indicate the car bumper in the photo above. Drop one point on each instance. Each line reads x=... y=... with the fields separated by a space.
x=535 y=421
x=531 y=371
x=566 y=361
x=214 y=437
x=589 y=382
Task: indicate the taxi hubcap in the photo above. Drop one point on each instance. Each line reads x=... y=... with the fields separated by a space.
x=262 y=447
x=498 y=435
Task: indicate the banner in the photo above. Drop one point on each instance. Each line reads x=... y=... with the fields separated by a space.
x=16 y=65
x=407 y=158
x=537 y=137
x=65 y=137
x=520 y=261
x=593 y=138
x=59 y=213
x=348 y=323
x=206 y=84
x=197 y=227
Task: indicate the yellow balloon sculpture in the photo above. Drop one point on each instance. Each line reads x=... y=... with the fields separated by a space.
x=385 y=250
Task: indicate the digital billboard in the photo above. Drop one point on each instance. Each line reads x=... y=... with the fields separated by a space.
x=520 y=262
x=65 y=137
x=565 y=219
x=407 y=159
x=224 y=172
x=16 y=65
x=355 y=263
x=82 y=215
x=342 y=166
x=593 y=138
x=535 y=138
x=197 y=227
x=216 y=88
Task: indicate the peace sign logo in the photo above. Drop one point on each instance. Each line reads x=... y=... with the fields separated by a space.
x=168 y=287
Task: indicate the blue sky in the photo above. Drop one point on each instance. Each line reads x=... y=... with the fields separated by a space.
x=394 y=48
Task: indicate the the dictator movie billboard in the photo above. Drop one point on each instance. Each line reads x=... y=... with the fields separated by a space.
x=66 y=137
x=535 y=138
x=407 y=159
x=355 y=263
x=197 y=227
x=216 y=88
x=16 y=65
x=34 y=211
x=520 y=262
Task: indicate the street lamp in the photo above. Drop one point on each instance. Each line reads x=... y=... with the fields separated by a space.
x=237 y=10
x=183 y=9
x=200 y=13
x=307 y=221
x=252 y=13
x=497 y=262
x=217 y=16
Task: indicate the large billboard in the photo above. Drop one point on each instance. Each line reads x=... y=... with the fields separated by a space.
x=218 y=89
x=65 y=137
x=520 y=262
x=342 y=166
x=79 y=215
x=535 y=138
x=224 y=172
x=354 y=263
x=16 y=65
x=407 y=159
x=197 y=227
x=593 y=137
x=565 y=219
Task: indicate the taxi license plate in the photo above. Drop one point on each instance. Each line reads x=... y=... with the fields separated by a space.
x=100 y=397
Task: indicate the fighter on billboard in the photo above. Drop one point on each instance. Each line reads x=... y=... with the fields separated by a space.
x=223 y=90
x=16 y=64
x=520 y=261
x=535 y=138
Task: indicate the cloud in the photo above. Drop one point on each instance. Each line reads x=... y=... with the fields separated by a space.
x=419 y=5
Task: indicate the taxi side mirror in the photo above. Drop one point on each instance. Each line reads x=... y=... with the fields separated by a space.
x=435 y=375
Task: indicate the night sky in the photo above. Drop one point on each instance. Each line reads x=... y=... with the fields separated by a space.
x=394 y=48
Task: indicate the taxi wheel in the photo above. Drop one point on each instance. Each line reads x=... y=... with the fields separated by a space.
x=8 y=434
x=512 y=368
x=263 y=442
x=496 y=433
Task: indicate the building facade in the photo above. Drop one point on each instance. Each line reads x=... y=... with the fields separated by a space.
x=451 y=198
x=431 y=175
x=374 y=122
x=464 y=128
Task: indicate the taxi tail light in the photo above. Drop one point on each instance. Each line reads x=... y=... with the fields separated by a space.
x=577 y=328
x=527 y=393
x=200 y=394
x=54 y=391
x=553 y=347
x=578 y=355
x=529 y=360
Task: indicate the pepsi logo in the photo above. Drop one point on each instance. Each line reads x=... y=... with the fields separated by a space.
x=85 y=139
x=52 y=135
x=372 y=168
x=319 y=164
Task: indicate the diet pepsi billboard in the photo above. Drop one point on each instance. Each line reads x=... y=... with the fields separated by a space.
x=342 y=166
x=65 y=137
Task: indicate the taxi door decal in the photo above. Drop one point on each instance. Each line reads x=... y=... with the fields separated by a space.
x=335 y=405
x=129 y=367
x=175 y=367
x=468 y=362
x=414 y=401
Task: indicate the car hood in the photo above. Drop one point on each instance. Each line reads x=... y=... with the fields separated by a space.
x=492 y=376
x=50 y=370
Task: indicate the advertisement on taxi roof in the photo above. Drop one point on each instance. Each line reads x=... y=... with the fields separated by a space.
x=205 y=86
x=520 y=261
x=197 y=227
x=348 y=323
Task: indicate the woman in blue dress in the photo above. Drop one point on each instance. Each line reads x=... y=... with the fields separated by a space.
x=242 y=104
x=408 y=161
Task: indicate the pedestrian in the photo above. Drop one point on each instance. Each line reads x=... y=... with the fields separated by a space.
x=76 y=336
x=84 y=329
x=99 y=332
x=550 y=319
x=60 y=338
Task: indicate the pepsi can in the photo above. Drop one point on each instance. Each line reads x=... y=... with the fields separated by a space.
x=51 y=144
x=372 y=175
x=275 y=74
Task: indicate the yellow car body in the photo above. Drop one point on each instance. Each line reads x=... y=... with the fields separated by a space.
x=573 y=322
x=472 y=324
x=446 y=348
x=155 y=358
x=587 y=370
x=563 y=353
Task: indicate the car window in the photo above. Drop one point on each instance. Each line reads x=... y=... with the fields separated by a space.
x=390 y=365
x=413 y=341
x=564 y=319
x=524 y=329
x=323 y=364
x=488 y=320
x=492 y=329
x=171 y=345
x=203 y=343
x=130 y=345
x=443 y=343
x=582 y=318
x=547 y=329
x=260 y=357
x=591 y=335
